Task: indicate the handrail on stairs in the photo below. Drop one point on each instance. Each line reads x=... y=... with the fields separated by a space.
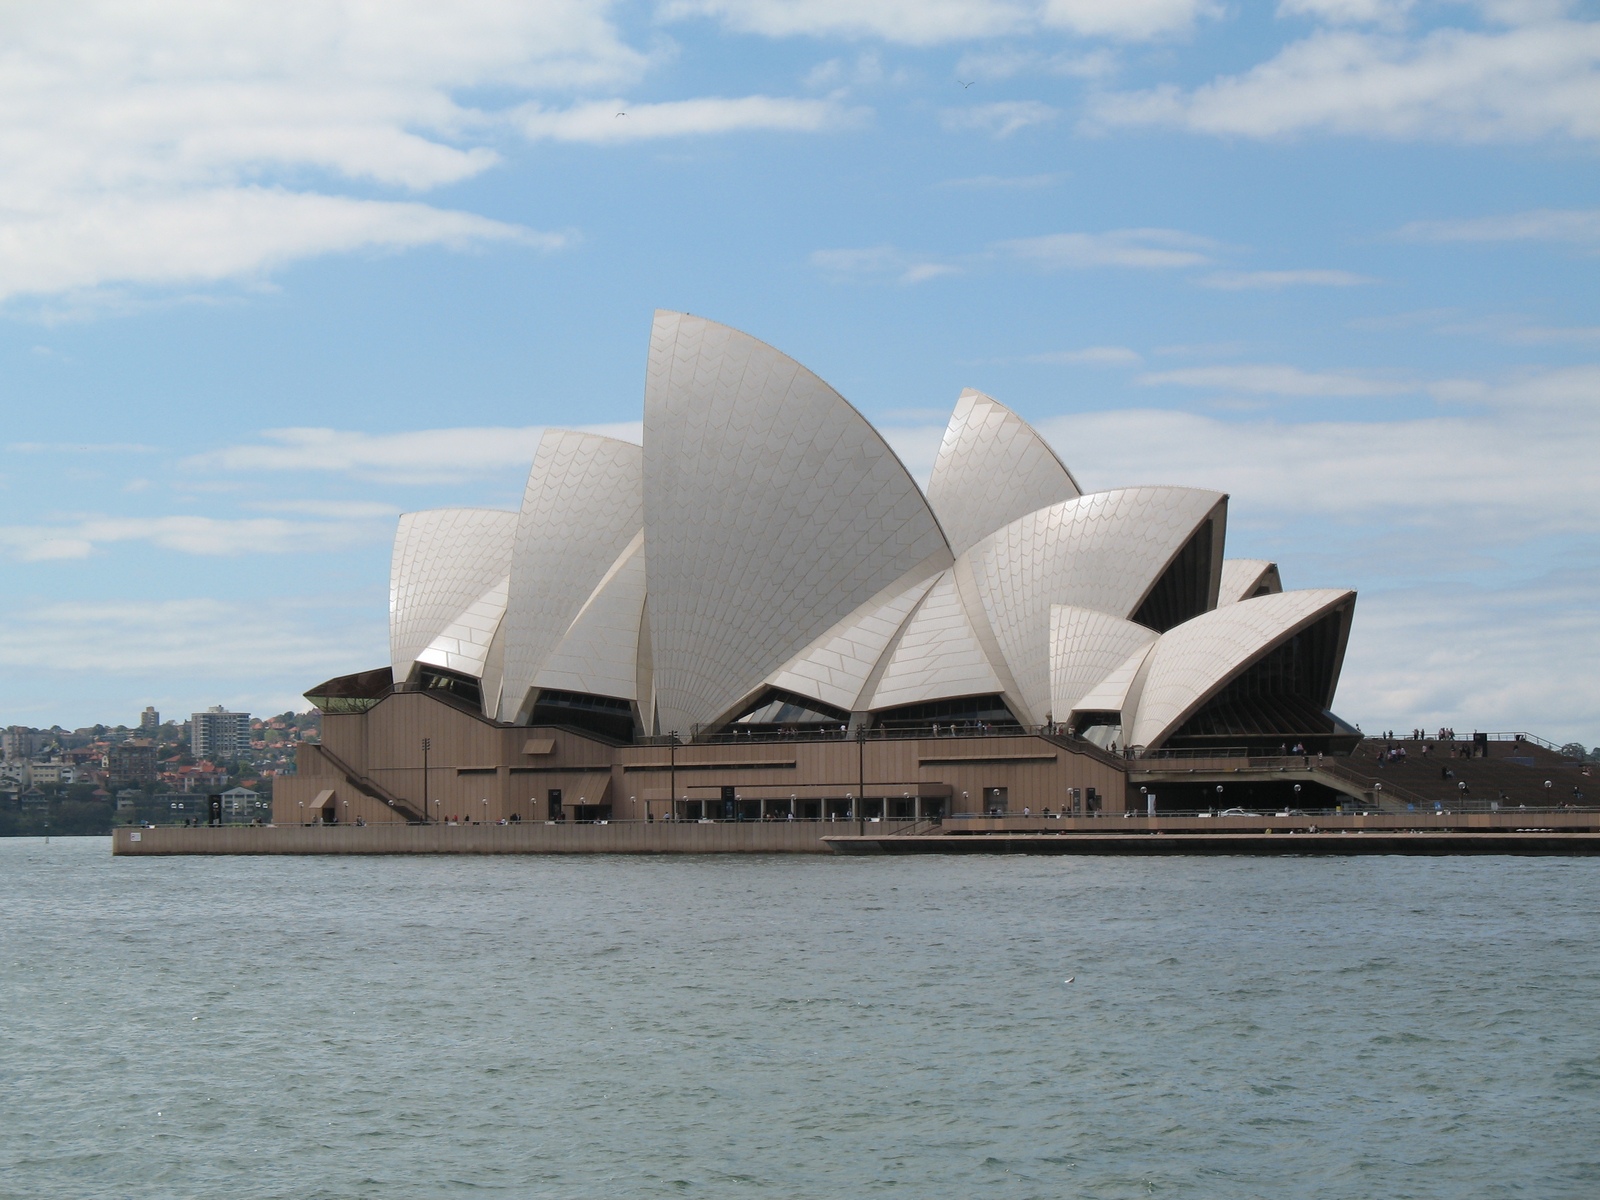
x=371 y=787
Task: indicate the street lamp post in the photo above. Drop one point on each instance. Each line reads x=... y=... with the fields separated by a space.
x=672 y=771
x=861 y=779
x=427 y=744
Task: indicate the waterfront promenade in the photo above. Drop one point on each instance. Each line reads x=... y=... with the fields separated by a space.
x=1441 y=832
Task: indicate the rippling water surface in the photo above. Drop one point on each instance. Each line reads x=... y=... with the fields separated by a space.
x=796 y=1027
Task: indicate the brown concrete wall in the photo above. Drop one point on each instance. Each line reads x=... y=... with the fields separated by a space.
x=747 y=837
x=472 y=760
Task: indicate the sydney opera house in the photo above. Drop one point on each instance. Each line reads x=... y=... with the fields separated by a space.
x=758 y=613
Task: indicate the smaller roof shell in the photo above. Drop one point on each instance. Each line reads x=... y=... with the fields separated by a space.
x=445 y=561
x=1244 y=577
x=1086 y=647
x=1103 y=551
x=1197 y=659
x=582 y=507
x=938 y=657
x=599 y=653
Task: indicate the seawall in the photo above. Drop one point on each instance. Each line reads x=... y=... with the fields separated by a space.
x=634 y=837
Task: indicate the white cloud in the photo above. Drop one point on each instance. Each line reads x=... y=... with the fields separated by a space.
x=1006 y=63
x=236 y=645
x=929 y=22
x=189 y=142
x=879 y=264
x=345 y=509
x=1132 y=20
x=1532 y=81
x=1000 y=119
x=1580 y=226
x=1277 y=380
x=1137 y=248
x=1386 y=13
x=419 y=456
x=1090 y=356
x=1478 y=655
x=205 y=536
x=139 y=142
x=416 y=456
x=1238 y=281
x=1452 y=474
x=599 y=121
x=207 y=236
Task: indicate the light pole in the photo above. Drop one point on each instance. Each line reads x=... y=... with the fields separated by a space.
x=861 y=779
x=486 y=810
x=427 y=744
x=672 y=771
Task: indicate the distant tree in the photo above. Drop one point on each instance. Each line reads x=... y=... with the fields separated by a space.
x=1574 y=750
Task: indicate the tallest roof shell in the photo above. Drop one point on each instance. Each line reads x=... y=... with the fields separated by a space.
x=772 y=510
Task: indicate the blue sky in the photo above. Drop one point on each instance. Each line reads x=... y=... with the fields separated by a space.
x=272 y=274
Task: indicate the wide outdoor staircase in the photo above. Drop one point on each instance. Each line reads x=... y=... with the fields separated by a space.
x=1512 y=774
x=366 y=786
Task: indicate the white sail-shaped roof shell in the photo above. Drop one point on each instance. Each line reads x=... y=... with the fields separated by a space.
x=446 y=561
x=993 y=467
x=838 y=667
x=599 y=653
x=1086 y=647
x=939 y=655
x=580 y=511
x=1103 y=551
x=463 y=645
x=1243 y=577
x=1197 y=659
x=773 y=510
x=1115 y=693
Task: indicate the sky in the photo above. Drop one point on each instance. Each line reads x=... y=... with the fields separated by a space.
x=272 y=274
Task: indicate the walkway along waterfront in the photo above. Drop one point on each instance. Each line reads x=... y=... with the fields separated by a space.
x=1527 y=832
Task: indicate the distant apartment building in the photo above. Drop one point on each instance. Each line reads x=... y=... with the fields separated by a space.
x=56 y=773
x=242 y=804
x=149 y=720
x=18 y=741
x=133 y=761
x=218 y=733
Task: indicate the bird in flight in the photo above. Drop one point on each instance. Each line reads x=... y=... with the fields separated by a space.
x=622 y=114
x=966 y=85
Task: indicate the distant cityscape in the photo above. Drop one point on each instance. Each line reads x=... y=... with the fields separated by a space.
x=87 y=780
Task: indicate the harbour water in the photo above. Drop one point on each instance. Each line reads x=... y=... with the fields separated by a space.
x=796 y=1026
